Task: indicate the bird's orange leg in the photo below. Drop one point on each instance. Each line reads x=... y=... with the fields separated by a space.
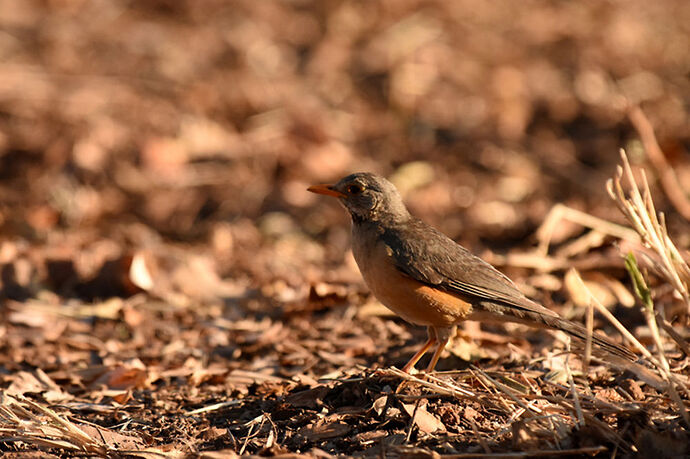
x=437 y=354
x=420 y=353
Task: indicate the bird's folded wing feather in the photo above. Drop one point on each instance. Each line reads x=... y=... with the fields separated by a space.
x=423 y=253
x=427 y=255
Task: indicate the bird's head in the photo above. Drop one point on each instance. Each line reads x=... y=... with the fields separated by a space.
x=368 y=197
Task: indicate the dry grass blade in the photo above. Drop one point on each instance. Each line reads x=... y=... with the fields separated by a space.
x=450 y=385
x=23 y=420
x=576 y=398
x=611 y=318
x=73 y=431
x=640 y=211
x=589 y=325
x=434 y=384
x=640 y=371
x=669 y=378
x=214 y=407
x=631 y=366
x=531 y=411
x=663 y=169
x=668 y=328
x=26 y=421
x=600 y=405
x=559 y=212
x=644 y=293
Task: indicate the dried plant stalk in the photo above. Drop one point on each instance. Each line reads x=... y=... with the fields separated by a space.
x=663 y=169
x=27 y=421
x=23 y=420
x=670 y=381
x=639 y=209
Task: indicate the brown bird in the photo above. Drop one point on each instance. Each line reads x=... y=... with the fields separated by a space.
x=427 y=278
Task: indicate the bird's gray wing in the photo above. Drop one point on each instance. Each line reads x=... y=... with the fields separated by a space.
x=427 y=255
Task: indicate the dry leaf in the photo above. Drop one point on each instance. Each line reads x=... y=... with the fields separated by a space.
x=24 y=382
x=380 y=404
x=202 y=375
x=325 y=429
x=425 y=421
x=139 y=274
x=111 y=438
x=580 y=295
x=122 y=377
x=311 y=398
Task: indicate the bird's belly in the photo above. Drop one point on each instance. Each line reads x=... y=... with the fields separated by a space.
x=412 y=300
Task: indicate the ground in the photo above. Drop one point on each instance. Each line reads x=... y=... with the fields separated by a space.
x=169 y=287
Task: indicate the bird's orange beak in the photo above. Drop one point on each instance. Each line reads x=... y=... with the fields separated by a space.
x=328 y=190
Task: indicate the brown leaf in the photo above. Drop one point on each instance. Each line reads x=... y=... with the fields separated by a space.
x=633 y=388
x=311 y=398
x=202 y=375
x=380 y=404
x=122 y=377
x=324 y=429
x=36 y=382
x=111 y=438
x=425 y=421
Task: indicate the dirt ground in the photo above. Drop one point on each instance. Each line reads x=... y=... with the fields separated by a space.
x=168 y=287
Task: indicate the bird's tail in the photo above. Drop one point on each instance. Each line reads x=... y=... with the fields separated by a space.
x=578 y=331
x=531 y=315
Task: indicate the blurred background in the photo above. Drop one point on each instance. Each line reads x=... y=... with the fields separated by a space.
x=137 y=127
x=159 y=251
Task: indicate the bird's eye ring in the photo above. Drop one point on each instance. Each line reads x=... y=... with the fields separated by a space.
x=355 y=189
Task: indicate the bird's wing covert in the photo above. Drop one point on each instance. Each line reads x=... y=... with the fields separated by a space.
x=427 y=255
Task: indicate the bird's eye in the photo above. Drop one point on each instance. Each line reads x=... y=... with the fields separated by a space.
x=355 y=189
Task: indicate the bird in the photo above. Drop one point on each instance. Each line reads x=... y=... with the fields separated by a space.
x=427 y=278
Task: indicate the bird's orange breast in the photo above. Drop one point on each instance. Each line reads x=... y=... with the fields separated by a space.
x=412 y=300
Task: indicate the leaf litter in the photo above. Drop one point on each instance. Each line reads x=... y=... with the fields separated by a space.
x=169 y=289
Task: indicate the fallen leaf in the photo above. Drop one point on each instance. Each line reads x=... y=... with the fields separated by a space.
x=324 y=429
x=24 y=382
x=311 y=398
x=425 y=421
x=139 y=273
x=633 y=388
x=596 y=285
x=122 y=377
x=202 y=375
x=112 y=439
x=380 y=404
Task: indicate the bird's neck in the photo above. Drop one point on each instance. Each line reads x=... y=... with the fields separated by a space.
x=381 y=218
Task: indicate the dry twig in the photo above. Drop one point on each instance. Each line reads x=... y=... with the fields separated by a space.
x=663 y=169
